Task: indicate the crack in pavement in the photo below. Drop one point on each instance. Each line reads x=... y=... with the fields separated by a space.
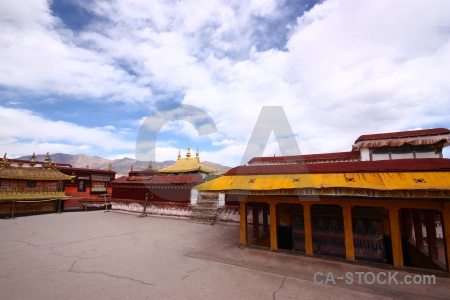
x=71 y=270
x=281 y=286
x=189 y=273
x=62 y=244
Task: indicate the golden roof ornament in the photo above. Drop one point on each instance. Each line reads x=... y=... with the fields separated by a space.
x=197 y=155
x=188 y=154
x=32 y=162
x=131 y=168
x=47 y=161
x=87 y=166
x=5 y=162
x=109 y=167
x=150 y=165
x=179 y=154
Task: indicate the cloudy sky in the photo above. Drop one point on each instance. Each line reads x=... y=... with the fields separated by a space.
x=85 y=76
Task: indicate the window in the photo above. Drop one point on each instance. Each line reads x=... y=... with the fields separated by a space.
x=82 y=186
x=31 y=184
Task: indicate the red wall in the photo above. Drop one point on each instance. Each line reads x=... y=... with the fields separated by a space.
x=137 y=192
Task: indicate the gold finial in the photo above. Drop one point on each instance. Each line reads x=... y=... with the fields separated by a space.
x=188 y=154
x=179 y=154
x=197 y=155
x=109 y=167
x=47 y=160
x=4 y=162
x=32 y=160
x=87 y=166
x=150 y=165
x=131 y=168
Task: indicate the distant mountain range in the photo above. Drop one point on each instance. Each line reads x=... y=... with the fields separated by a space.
x=120 y=166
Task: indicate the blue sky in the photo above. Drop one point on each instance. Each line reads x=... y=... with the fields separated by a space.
x=83 y=76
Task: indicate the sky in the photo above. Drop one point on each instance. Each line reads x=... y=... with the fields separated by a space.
x=87 y=77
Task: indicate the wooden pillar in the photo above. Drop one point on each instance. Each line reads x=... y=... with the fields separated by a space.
x=430 y=224
x=273 y=227
x=407 y=224
x=255 y=210
x=308 y=229
x=348 y=233
x=265 y=218
x=243 y=222
x=13 y=209
x=446 y=227
x=417 y=223
x=396 y=238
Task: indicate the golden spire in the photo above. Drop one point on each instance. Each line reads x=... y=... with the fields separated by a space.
x=188 y=154
x=131 y=168
x=197 y=155
x=47 y=160
x=32 y=160
x=179 y=154
x=4 y=162
x=109 y=167
x=87 y=166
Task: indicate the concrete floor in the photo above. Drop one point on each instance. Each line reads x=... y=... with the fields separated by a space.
x=96 y=255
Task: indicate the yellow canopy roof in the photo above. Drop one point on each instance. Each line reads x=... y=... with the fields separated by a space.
x=25 y=173
x=376 y=181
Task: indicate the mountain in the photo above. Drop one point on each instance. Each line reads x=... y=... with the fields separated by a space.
x=120 y=166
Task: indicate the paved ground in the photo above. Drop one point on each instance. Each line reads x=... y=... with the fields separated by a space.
x=96 y=255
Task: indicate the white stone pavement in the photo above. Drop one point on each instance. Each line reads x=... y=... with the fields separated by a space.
x=97 y=255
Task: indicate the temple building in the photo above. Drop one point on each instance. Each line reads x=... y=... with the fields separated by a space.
x=88 y=187
x=386 y=201
x=171 y=187
x=30 y=187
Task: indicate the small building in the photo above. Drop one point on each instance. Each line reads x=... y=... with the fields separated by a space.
x=88 y=187
x=386 y=201
x=30 y=187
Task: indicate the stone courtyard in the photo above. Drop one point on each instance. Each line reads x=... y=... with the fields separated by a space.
x=116 y=255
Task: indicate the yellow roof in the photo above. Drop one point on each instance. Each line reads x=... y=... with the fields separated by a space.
x=34 y=173
x=375 y=181
x=187 y=164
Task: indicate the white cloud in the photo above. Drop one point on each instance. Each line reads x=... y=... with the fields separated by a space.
x=348 y=67
x=28 y=132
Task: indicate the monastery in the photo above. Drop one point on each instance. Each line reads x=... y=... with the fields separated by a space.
x=386 y=201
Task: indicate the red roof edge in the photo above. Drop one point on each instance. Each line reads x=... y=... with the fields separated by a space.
x=307 y=157
x=402 y=134
x=408 y=165
x=64 y=168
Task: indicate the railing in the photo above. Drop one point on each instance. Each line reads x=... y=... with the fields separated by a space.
x=14 y=190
